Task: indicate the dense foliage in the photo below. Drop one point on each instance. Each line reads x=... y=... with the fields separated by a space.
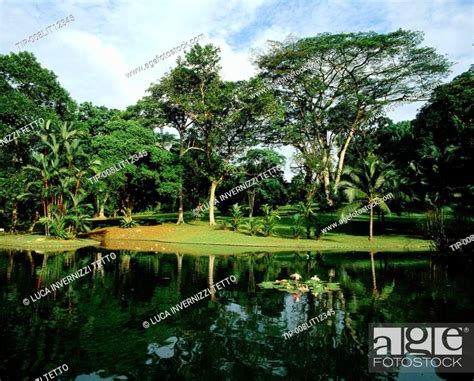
x=326 y=96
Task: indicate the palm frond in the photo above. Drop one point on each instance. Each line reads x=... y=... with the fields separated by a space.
x=350 y=208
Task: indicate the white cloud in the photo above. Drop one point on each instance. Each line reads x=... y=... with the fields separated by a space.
x=92 y=54
x=107 y=39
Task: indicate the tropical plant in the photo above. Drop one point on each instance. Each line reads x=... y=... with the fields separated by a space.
x=128 y=222
x=58 y=225
x=444 y=230
x=55 y=178
x=270 y=218
x=297 y=228
x=366 y=185
x=237 y=216
x=253 y=226
x=78 y=216
x=224 y=224
x=305 y=209
x=317 y=226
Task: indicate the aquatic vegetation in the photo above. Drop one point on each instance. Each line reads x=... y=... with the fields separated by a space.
x=314 y=285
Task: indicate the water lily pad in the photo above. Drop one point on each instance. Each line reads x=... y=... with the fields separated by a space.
x=291 y=286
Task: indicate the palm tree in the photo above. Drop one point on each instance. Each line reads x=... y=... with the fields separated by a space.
x=54 y=175
x=41 y=185
x=367 y=184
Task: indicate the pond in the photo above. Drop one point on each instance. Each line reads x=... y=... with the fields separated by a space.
x=94 y=324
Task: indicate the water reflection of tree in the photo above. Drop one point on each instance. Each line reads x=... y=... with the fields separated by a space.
x=179 y=260
x=52 y=267
x=374 y=280
x=10 y=265
x=155 y=263
x=251 y=281
x=211 y=276
x=239 y=334
x=366 y=304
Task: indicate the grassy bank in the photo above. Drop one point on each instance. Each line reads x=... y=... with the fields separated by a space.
x=397 y=234
x=198 y=237
x=40 y=242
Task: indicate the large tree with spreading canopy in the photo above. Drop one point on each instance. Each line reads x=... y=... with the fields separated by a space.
x=343 y=82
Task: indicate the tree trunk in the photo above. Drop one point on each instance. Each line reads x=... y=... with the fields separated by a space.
x=102 y=211
x=327 y=187
x=35 y=220
x=14 y=217
x=96 y=206
x=371 y=224
x=327 y=180
x=340 y=162
x=383 y=222
x=181 y=208
x=179 y=257
x=102 y=206
x=251 y=196
x=46 y=214
x=309 y=183
x=211 y=277
x=212 y=198
x=374 y=279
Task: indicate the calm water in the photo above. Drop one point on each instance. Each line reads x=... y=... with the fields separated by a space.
x=94 y=324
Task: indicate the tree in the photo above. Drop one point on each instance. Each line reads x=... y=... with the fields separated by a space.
x=165 y=106
x=432 y=153
x=139 y=183
x=391 y=142
x=366 y=185
x=343 y=82
x=95 y=118
x=224 y=120
x=28 y=92
x=443 y=143
x=255 y=162
x=57 y=171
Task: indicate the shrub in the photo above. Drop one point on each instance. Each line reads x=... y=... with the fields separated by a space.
x=253 y=225
x=197 y=214
x=443 y=232
x=269 y=220
x=308 y=215
x=318 y=229
x=297 y=228
x=224 y=225
x=58 y=226
x=128 y=222
x=237 y=216
x=435 y=230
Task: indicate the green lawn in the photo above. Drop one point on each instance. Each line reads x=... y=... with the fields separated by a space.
x=40 y=242
x=398 y=233
x=201 y=232
x=198 y=236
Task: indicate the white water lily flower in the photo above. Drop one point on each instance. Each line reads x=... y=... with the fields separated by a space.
x=316 y=278
x=295 y=276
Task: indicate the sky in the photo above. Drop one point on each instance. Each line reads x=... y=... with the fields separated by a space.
x=109 y=38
